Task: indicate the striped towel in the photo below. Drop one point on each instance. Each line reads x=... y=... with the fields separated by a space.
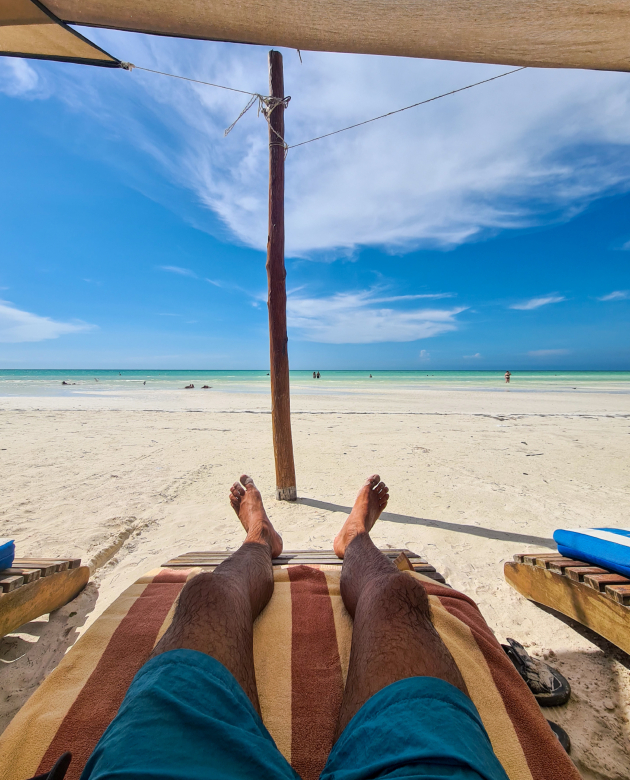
x=605 y=547
x=301 y=652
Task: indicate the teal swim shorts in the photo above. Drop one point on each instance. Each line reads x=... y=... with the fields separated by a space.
x=185 y=717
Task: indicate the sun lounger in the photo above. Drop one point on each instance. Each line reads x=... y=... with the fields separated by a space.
x=212 y=559
x=34 y=587
x=595 y=596
x=301 y=653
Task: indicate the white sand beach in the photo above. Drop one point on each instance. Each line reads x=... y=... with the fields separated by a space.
x=127 y=480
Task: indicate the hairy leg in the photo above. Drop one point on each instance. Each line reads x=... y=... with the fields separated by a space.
x=393 y=636
x=216 y=611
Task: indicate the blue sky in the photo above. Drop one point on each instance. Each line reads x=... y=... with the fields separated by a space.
x=490 y=229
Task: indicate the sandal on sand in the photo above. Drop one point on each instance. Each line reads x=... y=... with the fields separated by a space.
x=58 y=772
x=563 y=737
x=549 y=687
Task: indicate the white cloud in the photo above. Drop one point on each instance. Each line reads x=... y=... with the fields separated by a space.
x=535 y=303
x=175 y=269
x=19 y=79
x=542 y=353
x=356 y=318
x=424 y=355
x=503 y=155
x=617 y=295
x=472 y=357
x=396 y=298
x=17 y=326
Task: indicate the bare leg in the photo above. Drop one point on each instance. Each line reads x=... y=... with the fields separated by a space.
x=216 y=611
x=393 y=637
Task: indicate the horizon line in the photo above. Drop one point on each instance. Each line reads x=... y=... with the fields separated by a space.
x=330 y=370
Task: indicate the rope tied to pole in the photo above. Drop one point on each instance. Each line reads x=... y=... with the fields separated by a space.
x=266 y=105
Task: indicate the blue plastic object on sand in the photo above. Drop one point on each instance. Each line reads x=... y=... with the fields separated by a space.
x=606 y=547
x=7 y=553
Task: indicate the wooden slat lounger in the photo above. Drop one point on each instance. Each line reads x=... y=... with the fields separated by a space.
x=302 y=645
x=596 y=597
x=36 y=586
x=211 y=559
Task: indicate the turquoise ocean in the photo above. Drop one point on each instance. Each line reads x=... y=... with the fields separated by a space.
x=20 y=382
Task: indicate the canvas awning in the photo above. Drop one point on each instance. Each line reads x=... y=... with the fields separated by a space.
x=591 y=34
x=29 y=29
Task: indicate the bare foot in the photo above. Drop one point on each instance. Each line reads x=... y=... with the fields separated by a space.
x=247 y=503
x=370 y=502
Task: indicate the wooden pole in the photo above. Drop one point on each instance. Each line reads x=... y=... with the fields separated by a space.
x=277 y=293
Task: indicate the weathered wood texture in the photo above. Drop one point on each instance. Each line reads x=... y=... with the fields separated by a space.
x=60 y=564
x=277 y=293
x=43 y=595
x=599 y=581
x=604 y=611
x=578 y=573
x=9 y=582
x=211 y=559
x=27 y=575
x=619 y=593
x=43 y=568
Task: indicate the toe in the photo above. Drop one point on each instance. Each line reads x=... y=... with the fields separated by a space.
x=382 y=492
x=373 y=480
x=237 y=490
x=247 y=481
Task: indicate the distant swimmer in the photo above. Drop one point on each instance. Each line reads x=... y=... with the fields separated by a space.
x=65 y=383
x=370 y=376
x=206 y=387
x=314 y=375
x=507 y=377
x=145 y=381
x=189 y=387
x=318 y=374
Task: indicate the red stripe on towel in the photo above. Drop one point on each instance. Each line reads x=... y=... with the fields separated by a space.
x=101 y=696
x=316 y=677
x=545 y=756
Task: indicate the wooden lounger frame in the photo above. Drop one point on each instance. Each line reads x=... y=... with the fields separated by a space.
x=596 y=597
x=211 y=559
x=35 y=586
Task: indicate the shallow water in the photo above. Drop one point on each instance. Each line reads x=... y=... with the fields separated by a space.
x=19 y=382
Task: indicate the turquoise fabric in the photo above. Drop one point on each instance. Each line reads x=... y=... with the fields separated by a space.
x=185 y=717
x=420 y=727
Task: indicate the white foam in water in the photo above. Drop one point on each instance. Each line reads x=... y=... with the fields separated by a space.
x=48 y=383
